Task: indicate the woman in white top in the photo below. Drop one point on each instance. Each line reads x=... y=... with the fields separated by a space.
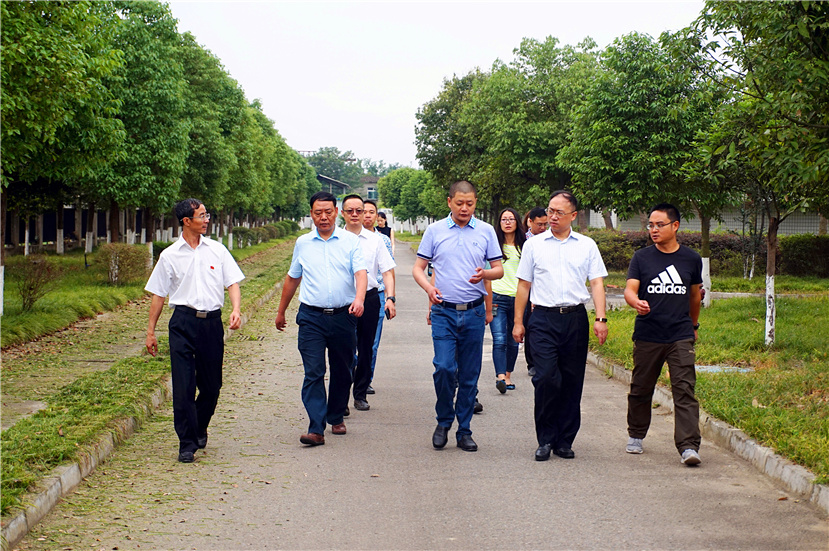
x=511 y=238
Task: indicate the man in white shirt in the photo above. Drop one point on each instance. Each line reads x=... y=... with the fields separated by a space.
x=552 y=273
x=378 y=260
x=194 y=271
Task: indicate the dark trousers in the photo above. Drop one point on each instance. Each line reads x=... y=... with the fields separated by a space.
x=648 y=359
x=527 y=350
x=196 y=354
x=366 y=333
x=559 y=343
x=317 y=332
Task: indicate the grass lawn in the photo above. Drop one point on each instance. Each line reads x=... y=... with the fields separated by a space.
x=784 y=401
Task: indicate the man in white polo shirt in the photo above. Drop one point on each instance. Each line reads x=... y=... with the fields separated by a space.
x=377 y=259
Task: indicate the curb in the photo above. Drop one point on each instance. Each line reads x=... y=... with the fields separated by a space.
x=64 y=479
x=793 y=477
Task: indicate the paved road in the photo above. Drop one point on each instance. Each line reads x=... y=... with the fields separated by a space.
x=382 y=486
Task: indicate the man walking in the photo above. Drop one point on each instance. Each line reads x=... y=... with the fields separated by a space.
x=663 y=286
x=370 y=215
x=552 y=273
x=536 y=224
x=459 y=247
x=377 y=259
x=329 y=263
x=194 y=271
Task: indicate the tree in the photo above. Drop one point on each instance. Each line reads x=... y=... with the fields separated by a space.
x=412 y=193
x=776 y=56
x=329 y=161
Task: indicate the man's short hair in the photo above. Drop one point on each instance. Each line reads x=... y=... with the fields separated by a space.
x=537 y=212
x=669 y=209
x=186 y=209
x=567 y=195
x=370 y=202
x=462 y=186
x=352 y=196
x=323 y=196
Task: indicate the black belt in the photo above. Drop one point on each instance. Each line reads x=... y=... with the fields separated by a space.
x=462 y=306
x=372 y=292
x=328 y=311
x=199 y=313
x=560 y=309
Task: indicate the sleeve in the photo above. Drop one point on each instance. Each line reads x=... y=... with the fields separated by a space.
x=493 y=250
x=597 y=268
x=357 y=261
x=295 y=271
x=696 y=278
x=160 y=278
x=426 y=248
x=526 y=265
x=384 y=260
x=230 y=270
x=633 y=270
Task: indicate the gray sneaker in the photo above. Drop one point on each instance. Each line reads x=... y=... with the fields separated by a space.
x=634 y=445
x=690 y=457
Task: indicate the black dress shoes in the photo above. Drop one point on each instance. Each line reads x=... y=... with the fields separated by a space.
x=361 y=405
x=186 y=457
x=543 y=452
x=440 y=437
x=564 y=453
x=369 y=390
x=202 y=441
x=478 y=408
x=466 y=443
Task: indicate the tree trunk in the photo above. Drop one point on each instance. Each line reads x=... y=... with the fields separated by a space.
x=608 y=220
x=584 y=220
x=39 y=233
x=78 y=221
x=643 y=221
x=771 y=266
x=59 y=231
x=705 y=252
x=15 y=229
x=822 y=224
x=2 y=239
x=26 y=236
x=91 y=229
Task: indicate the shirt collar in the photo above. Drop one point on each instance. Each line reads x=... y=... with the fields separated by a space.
x=548 y=234
x=334 y=234
x=450 y=222
x=365 y=234
x=180 y=242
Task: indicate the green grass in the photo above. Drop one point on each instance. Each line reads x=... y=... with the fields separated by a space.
x=784 y=402
x=76 y=417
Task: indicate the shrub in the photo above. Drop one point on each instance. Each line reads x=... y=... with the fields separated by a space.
x=804 y=255
x=36 y=277
x=127 y=263
x=242 y=237
x=159 y=246
x=615 y=247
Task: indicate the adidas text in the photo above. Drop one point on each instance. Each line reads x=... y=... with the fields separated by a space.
x=667 y=289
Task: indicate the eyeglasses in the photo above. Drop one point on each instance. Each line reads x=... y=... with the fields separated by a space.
x=658 y=225
x=558 y=213
x=205 y=216
x=508 y=220
x=352 y=211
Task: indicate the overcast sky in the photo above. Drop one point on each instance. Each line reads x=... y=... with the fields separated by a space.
x=353 y=74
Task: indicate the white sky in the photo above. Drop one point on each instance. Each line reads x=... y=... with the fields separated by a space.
x=353 y=74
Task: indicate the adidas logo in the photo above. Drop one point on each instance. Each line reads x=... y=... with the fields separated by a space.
x=667 y=283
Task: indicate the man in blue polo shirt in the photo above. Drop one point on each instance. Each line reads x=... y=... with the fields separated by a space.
x=329 y=263
x=459 y=247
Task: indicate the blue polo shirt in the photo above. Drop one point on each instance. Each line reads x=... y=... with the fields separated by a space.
x=455 y=251
x=327 y=268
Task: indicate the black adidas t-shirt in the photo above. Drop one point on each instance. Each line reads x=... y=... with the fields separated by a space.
x=665 y=281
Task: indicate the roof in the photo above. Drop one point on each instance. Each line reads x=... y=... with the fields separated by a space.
x=331 y=183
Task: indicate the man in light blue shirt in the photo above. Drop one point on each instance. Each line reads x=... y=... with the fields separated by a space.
x=459 y=247
x=329 y=263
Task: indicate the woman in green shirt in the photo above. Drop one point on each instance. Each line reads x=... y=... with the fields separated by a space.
x=504 y=349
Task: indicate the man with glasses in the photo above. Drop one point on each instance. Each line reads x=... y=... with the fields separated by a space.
x=329 y=263
x=194 y=271
x=377 y=259
x=536 y=222
x=663 y=286
x=459 y=246
x=552 y=274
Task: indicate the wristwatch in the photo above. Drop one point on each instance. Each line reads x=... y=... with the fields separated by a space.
x=696 y=327
x=604 y=320
x=391 y=299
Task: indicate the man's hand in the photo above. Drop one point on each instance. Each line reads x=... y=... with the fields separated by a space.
x=478 y=276
x=356 y=308
x=642 y=307
x=600 y=330
x=280 y=321
x=390 y=308
x=152 y=344
x=518 y=332
x=435 y=296
x=235 y=319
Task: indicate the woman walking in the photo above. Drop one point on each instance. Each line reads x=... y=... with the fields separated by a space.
x=504 y=349
x=384 y=228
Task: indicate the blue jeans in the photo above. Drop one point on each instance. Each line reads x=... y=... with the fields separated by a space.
x=379 y=332
x=504 y=347
x=458 y=339
x=338 y=334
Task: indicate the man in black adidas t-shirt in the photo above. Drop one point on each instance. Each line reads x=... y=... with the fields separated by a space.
x=663 y=286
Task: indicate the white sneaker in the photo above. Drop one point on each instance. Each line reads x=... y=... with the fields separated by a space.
x=634 y=445
x=690 y=457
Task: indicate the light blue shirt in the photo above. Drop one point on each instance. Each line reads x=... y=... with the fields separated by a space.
x=559 y=269
x=327 y=268
x=455 y=252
